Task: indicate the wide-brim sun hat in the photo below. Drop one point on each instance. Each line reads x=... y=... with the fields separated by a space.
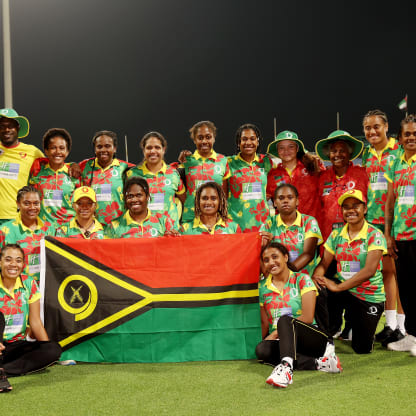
x=322 y=146
x=23 y=121
x=286 y=135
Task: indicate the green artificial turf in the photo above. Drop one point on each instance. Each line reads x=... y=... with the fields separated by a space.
x=379 y=383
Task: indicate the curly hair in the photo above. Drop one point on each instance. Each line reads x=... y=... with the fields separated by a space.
x=222 y=207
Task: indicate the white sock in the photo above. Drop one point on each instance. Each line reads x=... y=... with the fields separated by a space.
x=289 y=360
x=400 y=322
x=391 y=320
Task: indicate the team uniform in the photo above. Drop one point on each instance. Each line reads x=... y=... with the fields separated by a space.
x=301 y=341
x=247 y=183
x=56 y=188
x=402 y=175
x=163 y=187
x=108 y=186
x=330 y=188
x=71 y=229
x=21 y=356
x=365 y=302
x=154 y=225
x=15 y=232
x=302 y=180
x=196 y=227
x=15 y=164
x=375 y=165
x=199 y=170
x=293 y=236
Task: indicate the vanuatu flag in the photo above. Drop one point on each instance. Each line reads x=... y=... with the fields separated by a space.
x=189 y=298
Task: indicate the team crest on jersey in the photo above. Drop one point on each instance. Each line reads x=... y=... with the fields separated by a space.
x=23 y=155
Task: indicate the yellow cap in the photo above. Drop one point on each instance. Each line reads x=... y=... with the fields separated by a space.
x=84 y=191
x=352 y=193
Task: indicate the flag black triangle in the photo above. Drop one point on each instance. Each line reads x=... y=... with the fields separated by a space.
x=83 y=300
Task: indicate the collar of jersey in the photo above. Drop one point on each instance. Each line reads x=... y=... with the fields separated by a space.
x=130 y=220
x=198 y=223
x=197 y=156
x=362 y=235
x=148 y=172
x=297 y=222
x=18 y=284
x=256 y=159
x=273 y=288
x=114 y=162
x=20 y=222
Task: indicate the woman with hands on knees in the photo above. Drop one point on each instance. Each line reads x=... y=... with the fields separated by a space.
x=357 y=248
x=291 y=340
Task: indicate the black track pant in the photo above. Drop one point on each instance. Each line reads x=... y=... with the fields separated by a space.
x=302 y=342
x=22 y=357
x=363 y=318
x=406 y=280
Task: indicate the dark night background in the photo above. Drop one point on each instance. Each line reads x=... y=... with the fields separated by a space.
x=137 y=65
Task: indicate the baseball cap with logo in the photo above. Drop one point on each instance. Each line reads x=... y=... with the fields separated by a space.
x=352 y=193
x=23 y=121
x=286 y=135
x=84 y=191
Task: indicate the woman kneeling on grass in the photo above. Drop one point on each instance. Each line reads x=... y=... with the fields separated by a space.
x=357 y=249
x=20 y=305
x=287 y=301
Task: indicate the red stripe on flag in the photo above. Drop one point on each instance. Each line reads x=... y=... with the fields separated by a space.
x=186 y=261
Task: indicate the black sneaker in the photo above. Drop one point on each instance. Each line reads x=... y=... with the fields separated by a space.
x=385 y=333
x=396 y=335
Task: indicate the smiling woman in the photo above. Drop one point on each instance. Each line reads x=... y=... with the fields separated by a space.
x=27 y=229
x=211 y=213
x=248 y=180
x=139 y=220
x=104 y=174
x=19 y=308
x=53 y=180
x=357 y=249
x=164 y=181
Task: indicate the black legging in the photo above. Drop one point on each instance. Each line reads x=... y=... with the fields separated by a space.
x=302 y=342
x=22 y=357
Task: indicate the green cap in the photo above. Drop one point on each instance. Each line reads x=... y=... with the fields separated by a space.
x=286 y=135
x=23 y=121
x=322 y=146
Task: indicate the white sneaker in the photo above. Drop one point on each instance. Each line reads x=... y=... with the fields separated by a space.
x=413 y=351
x=281 y=376
x=329 y=350
x=67 y=362
x=329 y=364
x=405 y=344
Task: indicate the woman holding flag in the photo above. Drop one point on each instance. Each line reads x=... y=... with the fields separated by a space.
x=138 y=220
x=211 y=213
